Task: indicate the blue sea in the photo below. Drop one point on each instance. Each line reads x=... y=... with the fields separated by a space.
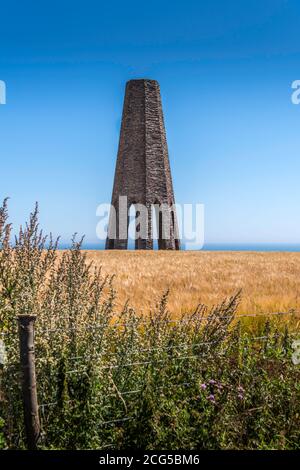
x=290 y=247
x=252 y=247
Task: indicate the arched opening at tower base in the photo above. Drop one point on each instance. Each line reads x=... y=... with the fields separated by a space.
x=157 y=227
x=140 y=228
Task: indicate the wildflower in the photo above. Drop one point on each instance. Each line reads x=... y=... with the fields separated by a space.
x=203 y=386
x=212 y=382
x=240 y=396
x=211 y=398
x=240 y=389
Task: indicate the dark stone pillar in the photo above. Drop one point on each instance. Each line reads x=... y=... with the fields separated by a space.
x=142 y=170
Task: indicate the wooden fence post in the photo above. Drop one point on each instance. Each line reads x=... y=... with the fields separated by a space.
x=29 y=390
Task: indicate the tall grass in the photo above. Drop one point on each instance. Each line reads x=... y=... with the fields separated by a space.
x=111 y=378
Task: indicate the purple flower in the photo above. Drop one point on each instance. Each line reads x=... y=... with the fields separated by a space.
x=240 y=389
x=203 y=386
x=240 y=396
x=212 y=382
x=211 y=398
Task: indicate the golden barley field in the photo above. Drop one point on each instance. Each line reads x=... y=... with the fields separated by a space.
x=270 y=281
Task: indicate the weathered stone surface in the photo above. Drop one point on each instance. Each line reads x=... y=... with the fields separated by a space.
x=142 y=169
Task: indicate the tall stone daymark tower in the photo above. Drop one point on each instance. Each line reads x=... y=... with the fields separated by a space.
x=142 y=169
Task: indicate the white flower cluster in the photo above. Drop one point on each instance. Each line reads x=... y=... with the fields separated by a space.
x=296 y=353
x=3 y=354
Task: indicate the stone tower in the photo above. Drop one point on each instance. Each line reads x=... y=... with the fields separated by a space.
x=143 y=171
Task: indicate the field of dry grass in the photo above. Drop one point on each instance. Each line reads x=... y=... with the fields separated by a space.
x=270 y=281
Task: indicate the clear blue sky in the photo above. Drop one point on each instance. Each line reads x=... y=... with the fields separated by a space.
x=225 y=69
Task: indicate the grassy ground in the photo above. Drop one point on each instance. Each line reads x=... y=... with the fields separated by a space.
x=269 y=281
